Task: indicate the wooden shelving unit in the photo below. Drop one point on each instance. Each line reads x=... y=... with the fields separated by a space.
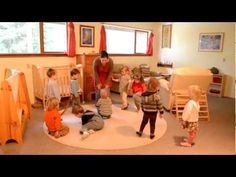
x=216 y=87
x=182 y=99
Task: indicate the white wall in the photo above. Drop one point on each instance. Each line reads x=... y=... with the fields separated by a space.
x=184 y=50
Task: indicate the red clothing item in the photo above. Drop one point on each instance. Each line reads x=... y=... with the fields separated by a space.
x=138 y=87
x=53 y=120
x=103 y=72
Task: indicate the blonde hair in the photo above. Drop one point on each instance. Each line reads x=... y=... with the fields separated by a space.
x=125 y=68
x=52 y=103
x=77 y=109
x=153 y=84
x=195 y=92
x=103 y=93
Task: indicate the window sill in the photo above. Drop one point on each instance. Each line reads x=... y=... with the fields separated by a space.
x=34 y=55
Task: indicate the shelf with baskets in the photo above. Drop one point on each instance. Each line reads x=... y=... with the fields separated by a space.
x=216 y=87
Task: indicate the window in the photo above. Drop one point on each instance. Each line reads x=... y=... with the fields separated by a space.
x=19 y=38
x=26 y=37
x=54 y=37
x=122 y=40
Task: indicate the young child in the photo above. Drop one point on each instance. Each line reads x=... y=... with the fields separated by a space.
x=137 y=87
x=123 y=86
x=104 y=105
x=150 y=106
x=53 y=89
x=91 y=122
x=190 y=115
x=52 y=119
x=75 y=87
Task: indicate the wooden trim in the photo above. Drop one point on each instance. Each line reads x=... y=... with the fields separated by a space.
x=130 y=55
x=41 y=37
x=33 y=55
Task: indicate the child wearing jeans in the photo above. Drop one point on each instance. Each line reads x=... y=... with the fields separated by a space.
x=91 y=121
x=123 y=86
x=52 y=119
x=104 y=105
x=53 y=89
x=190 y=115
x=151 y=104
x=137 y=87
x=75 y=87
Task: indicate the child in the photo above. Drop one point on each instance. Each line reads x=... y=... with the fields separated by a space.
x=75 y=87
x=123 y=86
x=52 y=119
x=150 y=106
x=190 y=115
x=53 y=89
x=137 y=87
x=104 y=105
x=91 y=122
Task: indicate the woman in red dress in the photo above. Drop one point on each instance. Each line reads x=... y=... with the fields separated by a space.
x=102 y=69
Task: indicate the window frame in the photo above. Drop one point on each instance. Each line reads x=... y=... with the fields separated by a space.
x=41 y=43
x=135 y=36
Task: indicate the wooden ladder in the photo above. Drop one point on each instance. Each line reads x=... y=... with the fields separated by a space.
x=181 y=100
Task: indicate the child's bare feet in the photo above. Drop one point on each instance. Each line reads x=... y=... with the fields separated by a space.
x=185 y=144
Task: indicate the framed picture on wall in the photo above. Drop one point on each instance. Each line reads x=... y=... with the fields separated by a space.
x=166 y=36
x=211 y=42
x=86 y=36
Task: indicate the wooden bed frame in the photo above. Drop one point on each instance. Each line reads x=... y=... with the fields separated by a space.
x=40 y=80
x=15 y=109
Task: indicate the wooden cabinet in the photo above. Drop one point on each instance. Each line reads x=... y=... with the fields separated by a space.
x=87 y=63
x=216 y=87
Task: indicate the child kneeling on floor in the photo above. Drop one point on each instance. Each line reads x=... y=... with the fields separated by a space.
x=52 y=119
x=91 y=121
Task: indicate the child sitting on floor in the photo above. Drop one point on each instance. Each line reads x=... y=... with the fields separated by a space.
x=191 y=114
x=123 y=86
x=91 y=121
x=104 y=105
x=52 y=119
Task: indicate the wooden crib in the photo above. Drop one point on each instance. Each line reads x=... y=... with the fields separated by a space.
x=15 y=107
x=40 y=80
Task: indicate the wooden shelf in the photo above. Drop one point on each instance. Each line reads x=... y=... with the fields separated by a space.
x=217 y=85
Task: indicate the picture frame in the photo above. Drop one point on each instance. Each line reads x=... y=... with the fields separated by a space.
x=86 y=36
x=166 y=36
x=211 y=42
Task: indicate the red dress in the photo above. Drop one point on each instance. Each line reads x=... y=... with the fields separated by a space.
x=103 y=72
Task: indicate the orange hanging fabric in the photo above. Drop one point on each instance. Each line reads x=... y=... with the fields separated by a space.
x=150 y=44
x=71 y=39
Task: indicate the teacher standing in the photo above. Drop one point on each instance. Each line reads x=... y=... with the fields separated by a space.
x=102 y=70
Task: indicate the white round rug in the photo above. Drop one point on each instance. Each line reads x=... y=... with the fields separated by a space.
x=118 y=132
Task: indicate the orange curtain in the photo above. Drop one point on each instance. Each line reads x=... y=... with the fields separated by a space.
x=150 y=44
x=71 y=39
x=103 y=43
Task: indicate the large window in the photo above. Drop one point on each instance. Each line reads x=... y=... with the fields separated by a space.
x=32 y=38
x=122 y=40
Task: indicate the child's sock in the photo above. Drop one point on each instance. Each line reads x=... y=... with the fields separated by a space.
x=139 y=133
x=152 y=136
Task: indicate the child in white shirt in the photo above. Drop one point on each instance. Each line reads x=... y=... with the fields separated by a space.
x=191 y=114
x=123 y=86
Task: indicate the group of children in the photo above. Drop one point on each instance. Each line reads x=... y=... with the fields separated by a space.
x=146 y=97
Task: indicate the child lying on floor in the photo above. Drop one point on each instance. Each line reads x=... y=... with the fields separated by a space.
x=91 y=121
